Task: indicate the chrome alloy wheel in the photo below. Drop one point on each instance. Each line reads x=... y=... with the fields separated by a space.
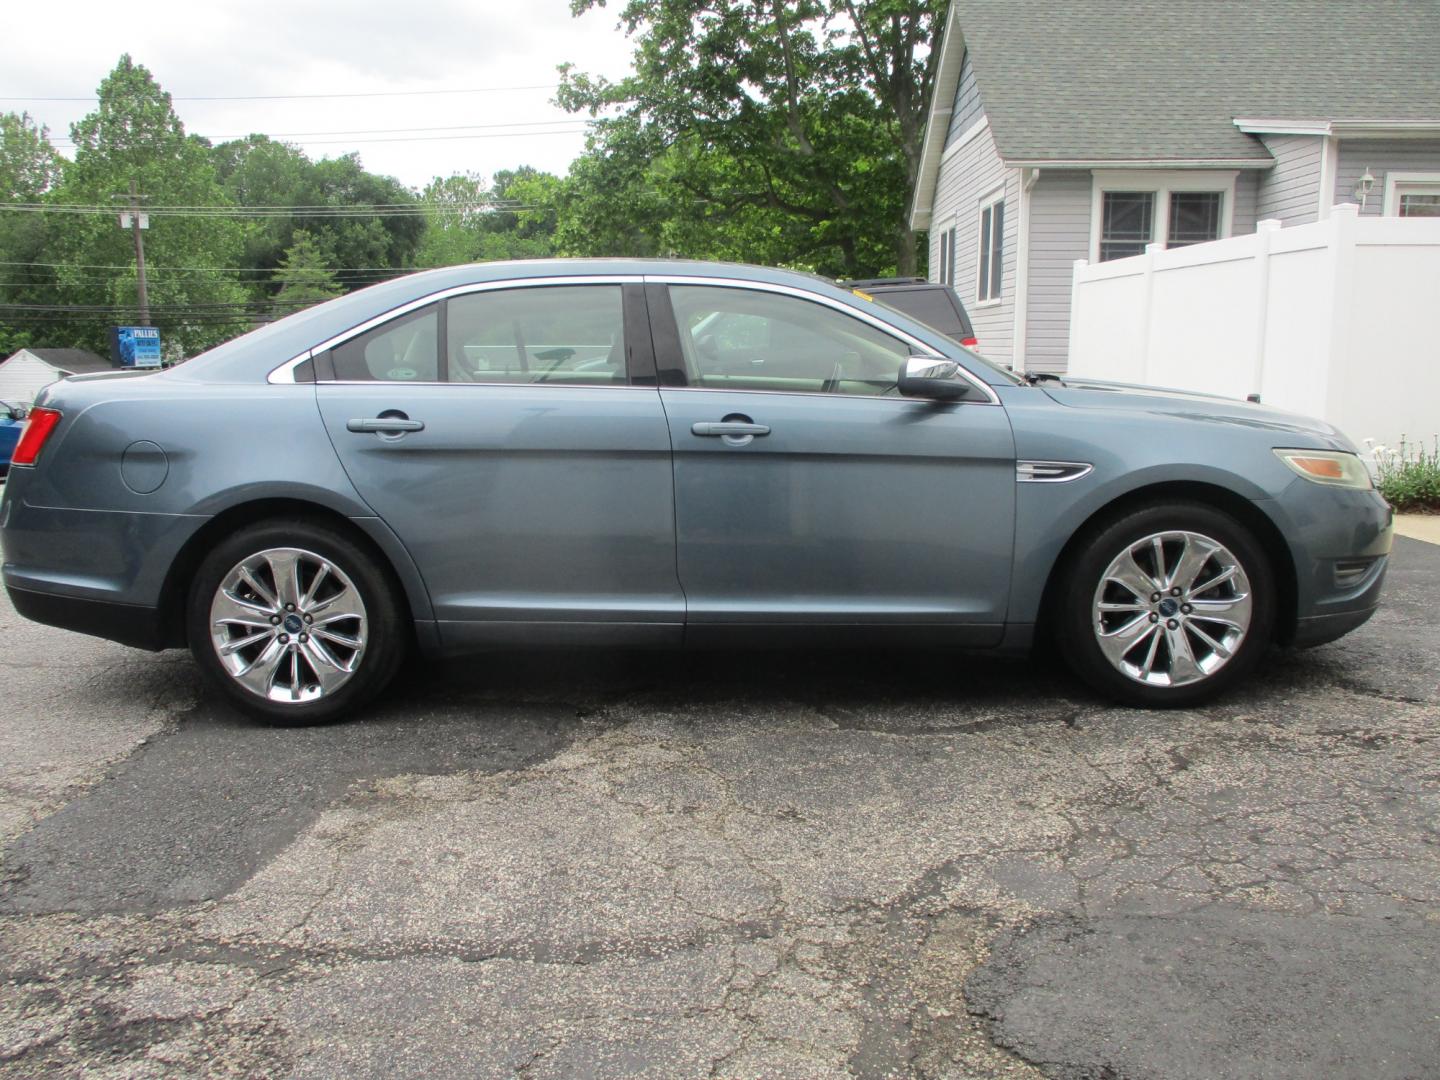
x=288 y=625
x=1172 y=609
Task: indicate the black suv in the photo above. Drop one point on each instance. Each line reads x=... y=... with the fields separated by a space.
x=934 y=304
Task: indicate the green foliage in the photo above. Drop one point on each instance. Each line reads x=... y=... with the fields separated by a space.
x=777 y=132
x=134 y=136
x=305 y=276
x=257 y=171
x=29 y=165
x=29 y=169
x=511 y=218
x=1410 y=476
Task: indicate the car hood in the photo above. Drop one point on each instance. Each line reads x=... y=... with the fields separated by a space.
x=1077 y=393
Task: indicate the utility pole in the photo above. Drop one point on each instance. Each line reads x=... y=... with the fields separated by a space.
x=137 y=221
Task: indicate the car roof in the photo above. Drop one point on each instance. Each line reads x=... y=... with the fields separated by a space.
x=253 y=355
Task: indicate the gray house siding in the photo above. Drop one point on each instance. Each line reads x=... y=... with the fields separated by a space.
x=972 y=173
x=1059 y=234
x=1290 y=192
x=1247 y=198
x=967 y=109
x=1381 y=156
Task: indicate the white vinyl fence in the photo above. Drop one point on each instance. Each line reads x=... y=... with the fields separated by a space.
x=1339 y=319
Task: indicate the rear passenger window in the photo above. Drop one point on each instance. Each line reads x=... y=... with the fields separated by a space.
x=402 y=350
x=570 y=335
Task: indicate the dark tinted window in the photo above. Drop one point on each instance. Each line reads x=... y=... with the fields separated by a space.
x=934 y=307
x=401 y=350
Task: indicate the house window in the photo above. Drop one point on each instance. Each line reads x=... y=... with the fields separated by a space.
x=1134 y=208
x=1412 y=194
x=1128 y=223
x=947 y=257
x=1419 y=204
x=1194 y=217
x=992 y=250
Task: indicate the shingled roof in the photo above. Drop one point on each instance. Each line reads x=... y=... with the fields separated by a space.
x=75 y=361
x=1163 y=80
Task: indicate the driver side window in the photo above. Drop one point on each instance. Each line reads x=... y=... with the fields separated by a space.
x=743 y=339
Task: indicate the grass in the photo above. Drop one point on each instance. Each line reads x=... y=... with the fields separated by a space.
x=1409 y=478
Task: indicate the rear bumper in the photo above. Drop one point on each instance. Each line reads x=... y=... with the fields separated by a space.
x=129 y=624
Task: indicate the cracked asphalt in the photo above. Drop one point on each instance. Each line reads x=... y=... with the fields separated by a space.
x=794 y=865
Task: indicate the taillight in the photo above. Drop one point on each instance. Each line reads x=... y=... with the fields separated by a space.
x=32 y=440
x=970 y=342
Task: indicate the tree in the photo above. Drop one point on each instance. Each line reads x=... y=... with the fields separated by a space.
x=29 y=165
x=29 y=169
x=134 y=136
x=304 y=276
x=787 y=128
x=513 y=217
x=259 y=172
x=385 y=239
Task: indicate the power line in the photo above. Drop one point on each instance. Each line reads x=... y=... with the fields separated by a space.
x=69 y=144
x=413 y=210
x=305 y=97
x=383 y=131
x=160 y=310
x=206 y=269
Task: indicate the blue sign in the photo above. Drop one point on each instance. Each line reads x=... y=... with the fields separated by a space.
x=139 y=346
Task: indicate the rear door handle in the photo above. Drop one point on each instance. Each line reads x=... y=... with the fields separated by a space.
x=385 y=425
x=728 y=427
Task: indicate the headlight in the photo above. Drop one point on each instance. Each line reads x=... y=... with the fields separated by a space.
x=1327 y=467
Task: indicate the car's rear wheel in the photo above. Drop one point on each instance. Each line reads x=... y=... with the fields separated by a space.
x=1167 y=606
x=295 y=622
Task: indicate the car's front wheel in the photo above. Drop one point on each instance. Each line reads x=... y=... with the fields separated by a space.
x=295 y=622
x=1167 y=606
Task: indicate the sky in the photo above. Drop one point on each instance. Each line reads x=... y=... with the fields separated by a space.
x=502 y=53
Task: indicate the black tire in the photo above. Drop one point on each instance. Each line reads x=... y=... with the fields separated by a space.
x=380 y=627
x=1080 y=620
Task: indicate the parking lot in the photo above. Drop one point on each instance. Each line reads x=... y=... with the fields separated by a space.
x=868 y=864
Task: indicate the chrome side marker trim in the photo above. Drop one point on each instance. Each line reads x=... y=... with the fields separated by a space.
x=1051 y=472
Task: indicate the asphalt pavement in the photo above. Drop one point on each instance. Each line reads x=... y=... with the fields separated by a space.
x=801 y=865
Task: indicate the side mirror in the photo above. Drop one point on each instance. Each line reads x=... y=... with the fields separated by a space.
x=932 y=377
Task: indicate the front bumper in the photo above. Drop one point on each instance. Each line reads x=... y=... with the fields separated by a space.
x=1323 y=629
x=1340 y=543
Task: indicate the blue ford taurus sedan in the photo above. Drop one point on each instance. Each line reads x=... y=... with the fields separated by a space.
x=669 y=454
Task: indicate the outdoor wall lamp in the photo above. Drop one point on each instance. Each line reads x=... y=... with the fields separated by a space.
x=1365 y=186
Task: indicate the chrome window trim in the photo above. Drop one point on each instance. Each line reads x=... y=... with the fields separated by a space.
x=285 y=373
x=511 y=385
x=900 y=399
x=1051 y=472
x=991 y=398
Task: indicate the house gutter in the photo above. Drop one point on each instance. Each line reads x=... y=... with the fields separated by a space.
x=1018 y=336
x=1349 y=129
x=1142 y=163
x=937 y=123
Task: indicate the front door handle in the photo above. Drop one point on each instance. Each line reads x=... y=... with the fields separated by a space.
x=384 y=425
x=729 y=427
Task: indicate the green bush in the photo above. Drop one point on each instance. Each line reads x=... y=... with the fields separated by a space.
x=1409 y=478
